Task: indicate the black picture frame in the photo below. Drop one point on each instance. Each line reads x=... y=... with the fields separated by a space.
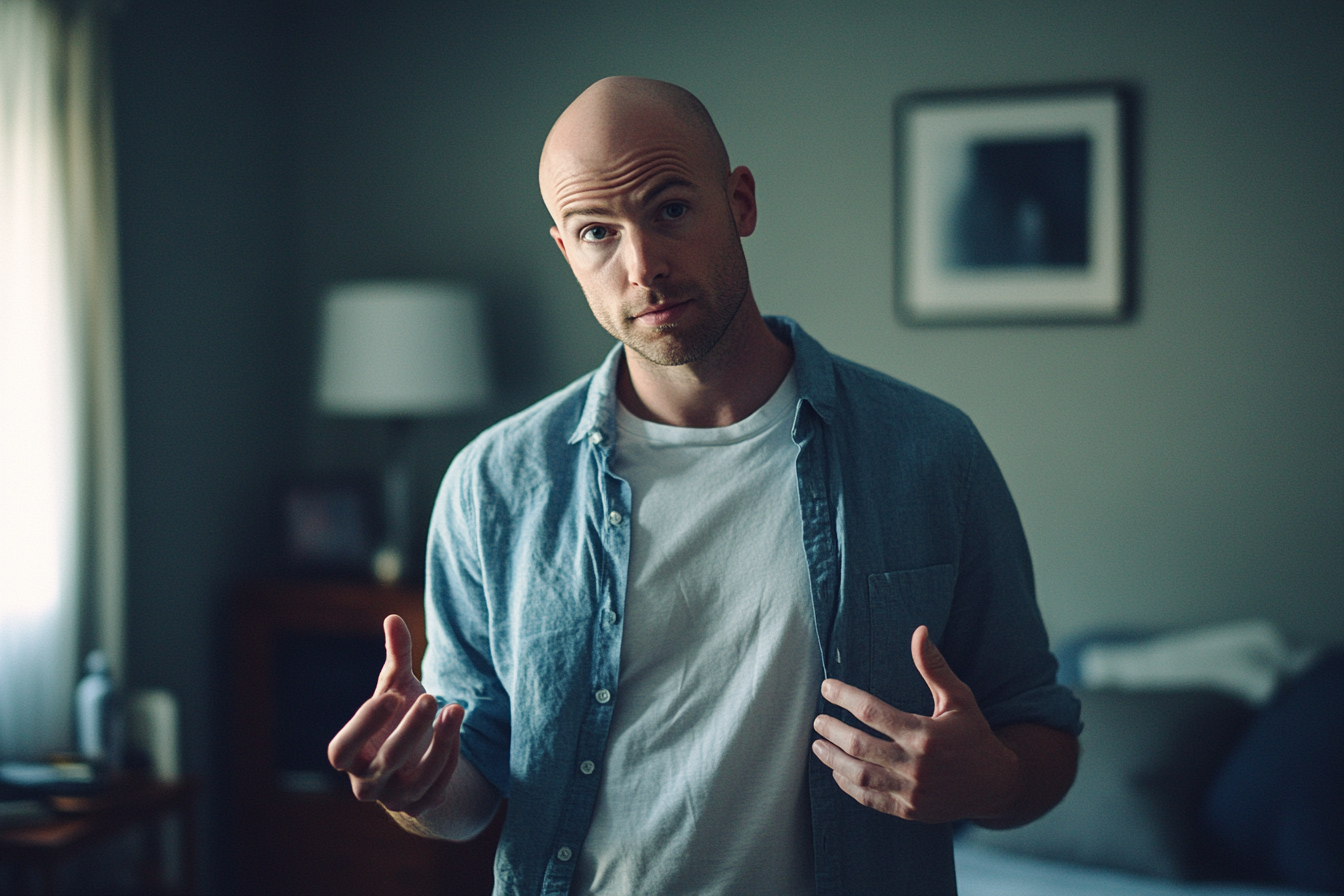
x=328 y=524
x=1015 y=206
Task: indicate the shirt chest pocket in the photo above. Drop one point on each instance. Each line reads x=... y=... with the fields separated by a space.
x=898 y=603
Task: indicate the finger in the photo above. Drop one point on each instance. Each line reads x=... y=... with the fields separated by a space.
x=882 y=801
x=367 y=721
x=858 y=744
x=403 y=744
x=414 y=779
x=437 y=793
x=430 y=785
x=949 y=691
x=860 y=774
x=371 y=782
x=869 y=710
x=397 y=641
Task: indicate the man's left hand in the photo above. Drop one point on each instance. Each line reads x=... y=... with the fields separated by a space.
x=937 y=768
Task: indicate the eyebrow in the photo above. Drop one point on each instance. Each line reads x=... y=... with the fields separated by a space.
x=654 y=193
x=595 y=210
x=666 y=185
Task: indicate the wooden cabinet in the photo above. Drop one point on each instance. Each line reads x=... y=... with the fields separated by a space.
x=304 y=656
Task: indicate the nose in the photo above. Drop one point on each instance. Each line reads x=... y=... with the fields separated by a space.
x=645 y=260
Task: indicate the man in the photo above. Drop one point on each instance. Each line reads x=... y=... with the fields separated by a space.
x=647 y=591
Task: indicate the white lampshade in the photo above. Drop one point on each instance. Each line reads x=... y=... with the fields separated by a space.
x=401 y=349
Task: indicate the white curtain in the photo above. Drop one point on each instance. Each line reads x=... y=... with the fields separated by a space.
x=61 y=454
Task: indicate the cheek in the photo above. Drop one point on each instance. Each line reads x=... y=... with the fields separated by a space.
x=599 y=279
x=602 y=299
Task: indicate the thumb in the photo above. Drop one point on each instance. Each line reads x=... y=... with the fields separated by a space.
x=949 y=692
x=397 y=638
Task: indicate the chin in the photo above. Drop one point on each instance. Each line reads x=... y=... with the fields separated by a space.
x=672 y=350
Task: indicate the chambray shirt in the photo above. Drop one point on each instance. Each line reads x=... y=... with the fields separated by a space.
x=906 y=521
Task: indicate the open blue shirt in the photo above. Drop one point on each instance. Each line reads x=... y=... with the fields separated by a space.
x=906 y=522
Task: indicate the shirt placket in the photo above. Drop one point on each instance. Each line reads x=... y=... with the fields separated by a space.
x=823 y=574
x=610 y=512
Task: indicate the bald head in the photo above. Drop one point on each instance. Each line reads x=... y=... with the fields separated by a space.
x=616 y=115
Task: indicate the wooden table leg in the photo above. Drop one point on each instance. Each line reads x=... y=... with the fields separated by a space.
x=187 y=849
x=152 y=878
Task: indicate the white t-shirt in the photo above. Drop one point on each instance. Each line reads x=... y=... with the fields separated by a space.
x=704 y=781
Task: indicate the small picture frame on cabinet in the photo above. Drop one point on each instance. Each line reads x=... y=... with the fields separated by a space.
x=329 y=524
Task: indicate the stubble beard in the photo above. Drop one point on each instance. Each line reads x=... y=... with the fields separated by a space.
x=720 y=301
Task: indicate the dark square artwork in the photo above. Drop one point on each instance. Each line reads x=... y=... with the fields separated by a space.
x=1024 y=204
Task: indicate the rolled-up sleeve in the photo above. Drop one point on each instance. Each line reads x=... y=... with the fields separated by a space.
x=995 y=639
x=458 y=665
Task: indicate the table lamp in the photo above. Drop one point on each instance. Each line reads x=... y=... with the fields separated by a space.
x=400 y=350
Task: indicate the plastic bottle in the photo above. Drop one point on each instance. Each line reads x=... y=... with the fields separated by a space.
x=99 y=721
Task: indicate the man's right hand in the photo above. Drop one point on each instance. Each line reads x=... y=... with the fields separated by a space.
x=397 y=749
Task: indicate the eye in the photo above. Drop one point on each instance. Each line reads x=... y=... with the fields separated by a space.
x=674 y=210
x=594 y=234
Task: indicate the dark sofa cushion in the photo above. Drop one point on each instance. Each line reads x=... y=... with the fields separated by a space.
x=1275 y=811
x=1147 y=760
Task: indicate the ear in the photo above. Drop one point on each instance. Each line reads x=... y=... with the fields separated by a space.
x=742 y=199
x=559 y=241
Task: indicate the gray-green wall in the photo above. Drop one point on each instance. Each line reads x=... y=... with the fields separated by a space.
x=1182 y=468
x=1185 y=467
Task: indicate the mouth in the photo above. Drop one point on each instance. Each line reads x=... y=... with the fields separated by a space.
x=663 y=314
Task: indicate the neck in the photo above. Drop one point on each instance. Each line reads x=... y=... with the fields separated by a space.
x=727 y=385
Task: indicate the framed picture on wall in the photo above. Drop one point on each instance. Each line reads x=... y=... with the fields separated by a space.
x=1014 y=206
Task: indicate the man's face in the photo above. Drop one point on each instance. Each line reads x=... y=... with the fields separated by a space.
x=652 y=232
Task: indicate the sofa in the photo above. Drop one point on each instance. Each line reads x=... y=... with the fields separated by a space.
x=1212 y=763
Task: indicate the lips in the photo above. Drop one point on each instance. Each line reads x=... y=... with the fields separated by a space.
x=662 y=315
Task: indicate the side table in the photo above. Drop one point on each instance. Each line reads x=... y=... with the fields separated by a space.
x=82 y=821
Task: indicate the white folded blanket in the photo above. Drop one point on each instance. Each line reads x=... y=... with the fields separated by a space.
x=1247 y=659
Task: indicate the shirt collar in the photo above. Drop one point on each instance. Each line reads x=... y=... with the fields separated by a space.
x=599 y=408
x=813 y=368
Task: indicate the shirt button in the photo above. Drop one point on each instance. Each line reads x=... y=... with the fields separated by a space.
x=615 y=517
x=595 y=437
x=609 y=617
x=587 y=766
x=603 y=695
x=565 y=854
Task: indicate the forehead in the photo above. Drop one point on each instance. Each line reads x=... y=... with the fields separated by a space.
x=580 y=179
x=603 y=153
